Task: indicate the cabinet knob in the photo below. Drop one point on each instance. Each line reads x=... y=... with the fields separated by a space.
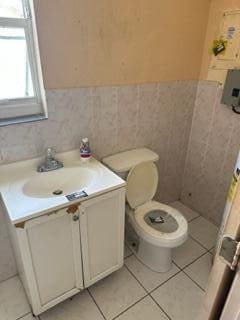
x=75 y=218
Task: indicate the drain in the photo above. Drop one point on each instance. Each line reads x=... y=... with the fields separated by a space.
x=57 y=192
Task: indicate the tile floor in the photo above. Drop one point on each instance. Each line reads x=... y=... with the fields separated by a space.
x=134 y=292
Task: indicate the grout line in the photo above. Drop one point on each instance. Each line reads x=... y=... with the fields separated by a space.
x=96 y=303
x=194 y=218
x=193 y=281
x=117 y=116
x=147 y=293
x=128 y=256
x=208 y=219
x=132 y=305
x=184 y=269
x=211 y=124
x=160 y=307
x=130 y=251
x=198 y=242
x=136 y=278
x=26 y=314
x=150 y=292
x=199 y=214
x=188 y=221
x=180 y=270
x=190 y=135
x=195 y=260
x=211 y=250
x=187 y=265
x=16 y=275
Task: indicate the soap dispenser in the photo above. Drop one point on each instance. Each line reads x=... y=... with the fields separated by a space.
x=85 y=151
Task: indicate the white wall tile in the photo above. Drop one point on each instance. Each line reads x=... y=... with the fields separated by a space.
x=212 y=152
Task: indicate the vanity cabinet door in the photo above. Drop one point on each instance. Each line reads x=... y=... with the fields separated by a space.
x=102 y=235
x=51 y=245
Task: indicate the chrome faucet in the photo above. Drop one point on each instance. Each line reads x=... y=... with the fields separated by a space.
x=50 y=162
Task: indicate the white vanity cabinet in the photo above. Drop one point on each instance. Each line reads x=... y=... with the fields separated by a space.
x=51 y=263
x=102 y=235
x=65 y=251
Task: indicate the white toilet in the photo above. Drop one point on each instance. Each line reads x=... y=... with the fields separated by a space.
x=152 y=228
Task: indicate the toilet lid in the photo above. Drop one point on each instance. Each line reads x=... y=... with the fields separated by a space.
x=142 y=183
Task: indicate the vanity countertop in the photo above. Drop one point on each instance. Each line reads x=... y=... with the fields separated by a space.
x=21 y=207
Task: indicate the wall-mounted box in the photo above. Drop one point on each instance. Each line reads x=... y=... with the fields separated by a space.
x=230 y=59
x=231 y=91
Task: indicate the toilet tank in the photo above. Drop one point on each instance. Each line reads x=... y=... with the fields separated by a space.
x=121 y=163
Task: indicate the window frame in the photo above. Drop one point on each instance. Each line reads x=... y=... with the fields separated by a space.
x=27 y=108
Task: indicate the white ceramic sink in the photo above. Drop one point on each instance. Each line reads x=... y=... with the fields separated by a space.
x=62 y=181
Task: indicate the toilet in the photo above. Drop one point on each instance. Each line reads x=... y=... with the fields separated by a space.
x=152 y=229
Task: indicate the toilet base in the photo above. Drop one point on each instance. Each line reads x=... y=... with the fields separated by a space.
x=158 y=259
x=155 y=258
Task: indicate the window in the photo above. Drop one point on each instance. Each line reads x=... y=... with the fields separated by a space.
x=22 y=94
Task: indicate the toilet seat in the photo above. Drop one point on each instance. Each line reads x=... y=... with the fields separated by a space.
x=142 y=183
x=156 y=237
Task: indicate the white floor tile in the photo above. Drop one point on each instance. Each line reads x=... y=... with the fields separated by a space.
x=213 y=251
x=13 y=301
x=188 y=213
x=200 y=270
x=116 y=293
x=187 y=253
x=8 y=266
x=81 y=307
x=180 y=298
x=204 y=232
x=127 y=251
x=148 y=278
x=29 y=317
x=145 y=309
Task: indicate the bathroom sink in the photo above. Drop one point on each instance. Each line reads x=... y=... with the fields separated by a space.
x=63 y=181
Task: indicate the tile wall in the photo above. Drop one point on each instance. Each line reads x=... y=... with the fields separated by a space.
x=114 y=118
x=212 y=152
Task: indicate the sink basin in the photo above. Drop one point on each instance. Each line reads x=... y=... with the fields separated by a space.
x=60 y=182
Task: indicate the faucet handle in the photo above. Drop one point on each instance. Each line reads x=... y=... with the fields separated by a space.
x=50 y=153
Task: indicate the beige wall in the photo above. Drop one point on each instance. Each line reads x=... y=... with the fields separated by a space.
x=85 y=43
x=216 y=10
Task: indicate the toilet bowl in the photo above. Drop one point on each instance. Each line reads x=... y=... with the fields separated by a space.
x=153 y=242
x=153 y=229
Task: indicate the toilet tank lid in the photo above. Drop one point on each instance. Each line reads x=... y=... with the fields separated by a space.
x=124 y=161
